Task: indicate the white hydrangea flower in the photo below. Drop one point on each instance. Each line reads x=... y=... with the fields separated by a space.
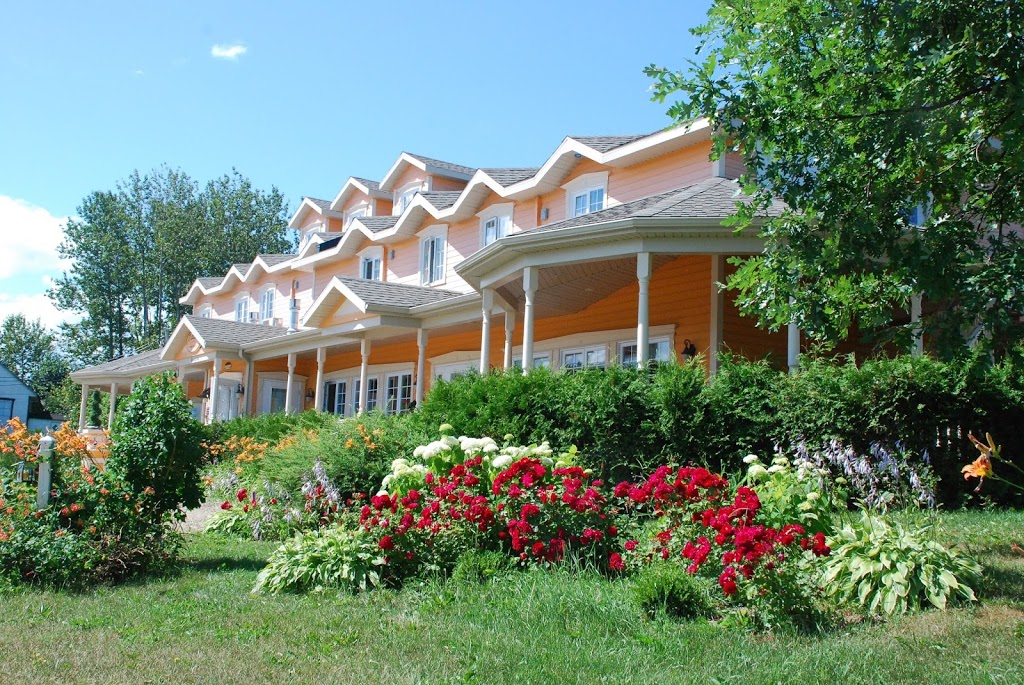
x=431 y=450
x=780 y=461
x=775 y=468
x=477 y=445
x=813 y=496
x=751 y=459
x=501 y=462
x=756 y=471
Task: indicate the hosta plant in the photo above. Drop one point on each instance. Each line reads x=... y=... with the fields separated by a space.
x=334 y=557
x=886 y=568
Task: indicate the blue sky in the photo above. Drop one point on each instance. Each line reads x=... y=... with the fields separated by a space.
x=301 y=96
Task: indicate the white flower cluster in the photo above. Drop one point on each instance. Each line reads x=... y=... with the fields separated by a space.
x=477 y=446
x=432 y=449
x=402 y=469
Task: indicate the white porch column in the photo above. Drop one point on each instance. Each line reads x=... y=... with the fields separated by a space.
x=83 y=409
x=321 y=358
x=793 y=348
x=421 y=364
x=288 y=394
x=717 y=307
x=485 y=331
x=510 y=327
x=915 y=318
x=644 y=266
x=113 y=406
x=530 y=290
x=364 y=374
x=214 y=389
x=250 y=388
x=181 y=379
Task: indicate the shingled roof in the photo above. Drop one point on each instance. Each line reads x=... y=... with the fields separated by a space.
x=606 y=143
x=442 y=199
x=275 y=259
x=127 y=363
x=713 y=199
x=447 y=166
x=507 y=176
x=376 y=224
x=219 y=332
x=322 y=204
x=371 y=185
x=211 y=282
x=385 y=294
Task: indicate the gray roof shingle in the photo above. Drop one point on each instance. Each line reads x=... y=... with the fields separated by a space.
x=442 y=199
x=607 y=143
x=322 y=204
x=242 y=267
x=224 y=332
x=376 y=224
x=127 y=363
x=395 y=294
x=510 y=175
x=372 y=185
x=211 y=282
x=712 y=199
x=446 y=166
x=275 y=259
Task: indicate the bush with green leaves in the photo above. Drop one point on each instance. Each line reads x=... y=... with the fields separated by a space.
x=666 y=588
x=477 y=566
x=330 y=558
x=157 y=444
x=884 y=567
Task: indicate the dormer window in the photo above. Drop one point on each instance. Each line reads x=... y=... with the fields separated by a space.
x=370 y=261
x=242 y=308
x=206 y=311
x=586 y=194
x=404 y=197
x=433 y=245
x=495 y=222
x=355 y=213
x=267 y=304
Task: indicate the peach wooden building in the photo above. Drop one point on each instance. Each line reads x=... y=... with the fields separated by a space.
x=609 y=252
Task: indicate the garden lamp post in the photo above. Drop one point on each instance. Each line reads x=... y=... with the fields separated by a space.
x=45 y=459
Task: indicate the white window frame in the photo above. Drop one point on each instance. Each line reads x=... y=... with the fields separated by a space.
x=436 y=236
x=340 y=408
x=375 y=256
x=584 y=185
x=206 y=311
x=266 y=315
x=585 y=353
x=623 y=344
x=242 y=303
x=404 y=196
x=360 y=210
x=539 y=360
x=403 y=392
x=500 y=216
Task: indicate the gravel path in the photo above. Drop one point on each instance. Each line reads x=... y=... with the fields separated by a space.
x=195 y=520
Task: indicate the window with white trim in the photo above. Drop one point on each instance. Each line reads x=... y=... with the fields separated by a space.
x=335 y=396
x=403 y=198
x=496 y=227
x=369 y=268
x=242 y=308
x=355 y=213
x=539 y=360
x=206 y=311
x=584 y=358
x=433 y=244
x=587 y=201
x=267 y=304
x=658 y=351
x=397 y=392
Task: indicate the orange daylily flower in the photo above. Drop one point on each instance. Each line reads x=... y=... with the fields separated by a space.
x=981 y=467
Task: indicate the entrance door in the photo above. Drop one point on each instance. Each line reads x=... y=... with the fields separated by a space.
x=227 y=403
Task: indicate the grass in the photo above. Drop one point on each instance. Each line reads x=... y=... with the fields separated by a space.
x=203 y=626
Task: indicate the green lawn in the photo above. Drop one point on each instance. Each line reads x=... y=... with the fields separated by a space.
x=203 y=626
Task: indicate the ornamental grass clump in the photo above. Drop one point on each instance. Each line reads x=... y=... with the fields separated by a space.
x=667 y=588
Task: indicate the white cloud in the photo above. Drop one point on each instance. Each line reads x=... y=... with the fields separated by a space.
x=29 y=236
x=139 y=72
x=231 y=52
x=34 y=306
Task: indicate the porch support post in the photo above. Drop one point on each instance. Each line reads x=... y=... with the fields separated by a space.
x=250 y=388
x=510 y=327
x=530 y=290
x=716 y=333
x=644 y=265
x=364 y=373
x=915 y=318
x=113 y=406
x=288 y=394
x=181 y=379
x=321 y=358
x=213 y=388
x=421 y=364
x=84 y=407
x=793 y=348
x=485 y=331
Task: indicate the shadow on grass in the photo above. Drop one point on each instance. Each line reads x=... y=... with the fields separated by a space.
x=1003 y=579
x=215 y=564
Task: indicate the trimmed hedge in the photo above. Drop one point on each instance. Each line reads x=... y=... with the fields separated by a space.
x=625 y=420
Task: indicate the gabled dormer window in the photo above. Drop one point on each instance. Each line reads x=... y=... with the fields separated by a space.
x=586 y=194
x=355 y=213
x=404 y=197
x=242 y=308
x=206 y=311
x=370 y=262
x=433 y=245
x=267 y=304
x=495 y=222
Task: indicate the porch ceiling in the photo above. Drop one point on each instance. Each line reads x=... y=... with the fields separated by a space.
x=571 y=288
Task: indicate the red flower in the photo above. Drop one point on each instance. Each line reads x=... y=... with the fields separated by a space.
x=242 y=494
x=615 y=562
x=630 y=545
x=728 y=580
x=226 y=506
x=386 y=542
